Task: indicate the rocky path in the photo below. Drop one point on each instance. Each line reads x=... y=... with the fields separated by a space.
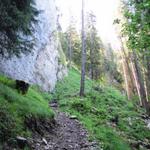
x=68 y=134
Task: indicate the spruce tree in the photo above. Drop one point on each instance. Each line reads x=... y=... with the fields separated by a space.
x=17 y=19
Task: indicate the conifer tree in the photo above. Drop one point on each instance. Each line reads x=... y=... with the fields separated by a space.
x=83 y=59
x=17 y=23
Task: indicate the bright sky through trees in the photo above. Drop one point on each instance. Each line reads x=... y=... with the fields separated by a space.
x=104 y=10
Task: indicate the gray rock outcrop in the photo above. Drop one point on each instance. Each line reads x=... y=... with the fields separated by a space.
x=43 y=66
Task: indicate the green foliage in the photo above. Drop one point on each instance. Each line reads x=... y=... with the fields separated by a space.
x=97 y=109
x=72 y=36
x=95 y=55
x=137 y=26
x=111 y=67
x=62 y=58
x=137 y=31
x=64 y=42
x=17 y=18
x=64 y=89
x=15 y=108
x=7 y=123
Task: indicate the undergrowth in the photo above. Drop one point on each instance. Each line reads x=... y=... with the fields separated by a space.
x=110 y=118
x=98 y=110
x=15 y=108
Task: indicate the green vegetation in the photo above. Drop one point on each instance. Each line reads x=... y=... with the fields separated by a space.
x=15 y=108
x=71 y=83
x=62 y=58
x=111 y=119
x=136 y=28
x=98 y=110
x=17 y=23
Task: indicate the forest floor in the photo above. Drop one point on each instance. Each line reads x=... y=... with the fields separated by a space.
x=68 y=134
x=103 y=117
x=110 y=119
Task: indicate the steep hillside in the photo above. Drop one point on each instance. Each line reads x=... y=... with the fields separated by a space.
x=111 y=119
x=18 y=113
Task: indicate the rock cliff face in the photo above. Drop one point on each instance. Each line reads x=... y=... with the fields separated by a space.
x=43 y=66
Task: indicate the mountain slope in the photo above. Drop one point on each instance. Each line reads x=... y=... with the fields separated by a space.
x=110 y=118
x=17 y=111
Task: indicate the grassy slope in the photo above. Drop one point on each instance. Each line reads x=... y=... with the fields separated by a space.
x=97 y=109
x=14 y=108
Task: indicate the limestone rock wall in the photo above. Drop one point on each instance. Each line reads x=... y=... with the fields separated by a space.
x=42 y=66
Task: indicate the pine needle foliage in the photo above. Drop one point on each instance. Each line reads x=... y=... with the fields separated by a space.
x=17 y=24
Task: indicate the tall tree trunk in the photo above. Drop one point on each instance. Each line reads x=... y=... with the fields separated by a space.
x=125 y=77
x=91 y=56
x=148 y=76
x=128 y=66
x=83 y=57
x=136 y=81
x=145 y=81
x=70 y=50
x=141 y=83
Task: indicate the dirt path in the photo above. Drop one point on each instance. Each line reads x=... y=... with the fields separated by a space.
x=68 y=134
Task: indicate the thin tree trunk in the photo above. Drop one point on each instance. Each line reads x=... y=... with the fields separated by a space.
x=70 y=50
x=148 y=76
x=136 y=82
x=145 y=82
x=83 y=61
x=91 y=56
x=125 y=77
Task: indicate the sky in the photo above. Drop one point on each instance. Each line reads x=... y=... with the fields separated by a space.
x=104 y=10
